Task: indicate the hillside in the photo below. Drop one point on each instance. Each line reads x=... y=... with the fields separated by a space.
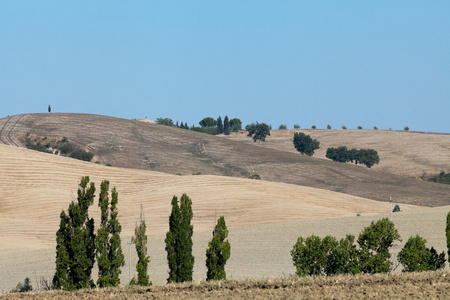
x=133 y=144
x=37 y=186
x=409 y=153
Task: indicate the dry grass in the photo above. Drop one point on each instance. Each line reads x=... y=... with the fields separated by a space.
x=426 y=285
x=133 y=144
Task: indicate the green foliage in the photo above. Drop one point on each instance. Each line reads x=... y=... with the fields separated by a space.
x=368 y=157
x=218 y=252
x=374 y=243
x=198 y=129
x=442 y=177
x=208 y=122
x=226 y=126
x=305 y=144
x=235 y=125
x=406 y=128
x=179 y=241
x=219 y=125
x=140 y=241
x=296 y=126
x=75 y=242
x=23 y=287
x=315 y=256
x=328 y=126
x=447 y=233
x=313 y=127
x=343 y=127
x=66 y=147
x=415 y=257
x=258 y=131
x=359 y=127
x=375 y=127
x=165 y=121
x=396 y=208
x=255 y=176
x=49 y=108
x=282 y=127
x=109 y=250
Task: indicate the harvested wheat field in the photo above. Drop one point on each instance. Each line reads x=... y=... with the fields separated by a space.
x=264 y=218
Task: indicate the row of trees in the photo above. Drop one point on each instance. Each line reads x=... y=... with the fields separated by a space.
x=217 y=126
x=328 y=256
x=78 y=247
x=367 y=157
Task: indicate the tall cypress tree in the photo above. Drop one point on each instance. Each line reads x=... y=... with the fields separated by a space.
x=218 y=252
x=226 y=126
x=140 y=241
x=179 y=241
x=219 y=125
x=447 y=232
x=109 y=249
x=75 y=242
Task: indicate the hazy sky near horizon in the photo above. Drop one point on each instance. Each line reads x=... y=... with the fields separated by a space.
x=353 y=63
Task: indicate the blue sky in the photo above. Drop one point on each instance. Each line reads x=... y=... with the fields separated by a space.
x=353 y=63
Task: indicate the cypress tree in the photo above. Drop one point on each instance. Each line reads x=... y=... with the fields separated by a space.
x=226 y=126
x=75 y=242
x=109 y=249
x=140 y=241
x=219 y=125
x=218 y=252
x=179 y=241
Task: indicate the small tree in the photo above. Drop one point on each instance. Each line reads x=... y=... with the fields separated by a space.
x=23 y=287
x=374 y=242
x=208 y=122
x=359 y=127
x=375 y=127
x=328 y=126
x=305 y=144
x=235 y=125
x=343 y=127
x=218 y=252
x=313 y=127
x=396 y=208
x=343 y=258
x=308 y=256
x=258 y=131
x=226 y=126
x=282 y=127
x=49 y=109
x=140 y=241
x=406 y=128
x=296 y=126
x=179 y=241
x=415 y=257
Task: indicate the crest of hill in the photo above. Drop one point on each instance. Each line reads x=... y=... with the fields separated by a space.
x=138 y=145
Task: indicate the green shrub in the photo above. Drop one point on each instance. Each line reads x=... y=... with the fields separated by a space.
x=415 y=257
x=296 y=126
x=23 y=287
x=396 y=208
x=305 y=144
x=441 y=178
x=282 y=127
x=255 y=176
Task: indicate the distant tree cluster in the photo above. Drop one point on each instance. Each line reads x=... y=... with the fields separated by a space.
x=442 y=177
x=217 y=126
x=165 y=121
x=367 y=157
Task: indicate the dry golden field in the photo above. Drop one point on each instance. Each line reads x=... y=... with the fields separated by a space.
x=265 y=217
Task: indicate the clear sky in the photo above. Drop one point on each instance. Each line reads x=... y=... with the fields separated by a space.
x=353 y=63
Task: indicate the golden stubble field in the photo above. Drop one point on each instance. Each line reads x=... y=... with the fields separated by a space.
x=264 y=218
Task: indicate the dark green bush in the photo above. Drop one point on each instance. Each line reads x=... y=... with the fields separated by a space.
x=254 y=176
x=416 y=257
x=396 y=208
x=23 y=287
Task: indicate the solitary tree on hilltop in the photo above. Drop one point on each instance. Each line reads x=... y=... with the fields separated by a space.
x=305 y=144
x=258 y=131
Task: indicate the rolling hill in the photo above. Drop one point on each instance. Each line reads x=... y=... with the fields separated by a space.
x=133 y=144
